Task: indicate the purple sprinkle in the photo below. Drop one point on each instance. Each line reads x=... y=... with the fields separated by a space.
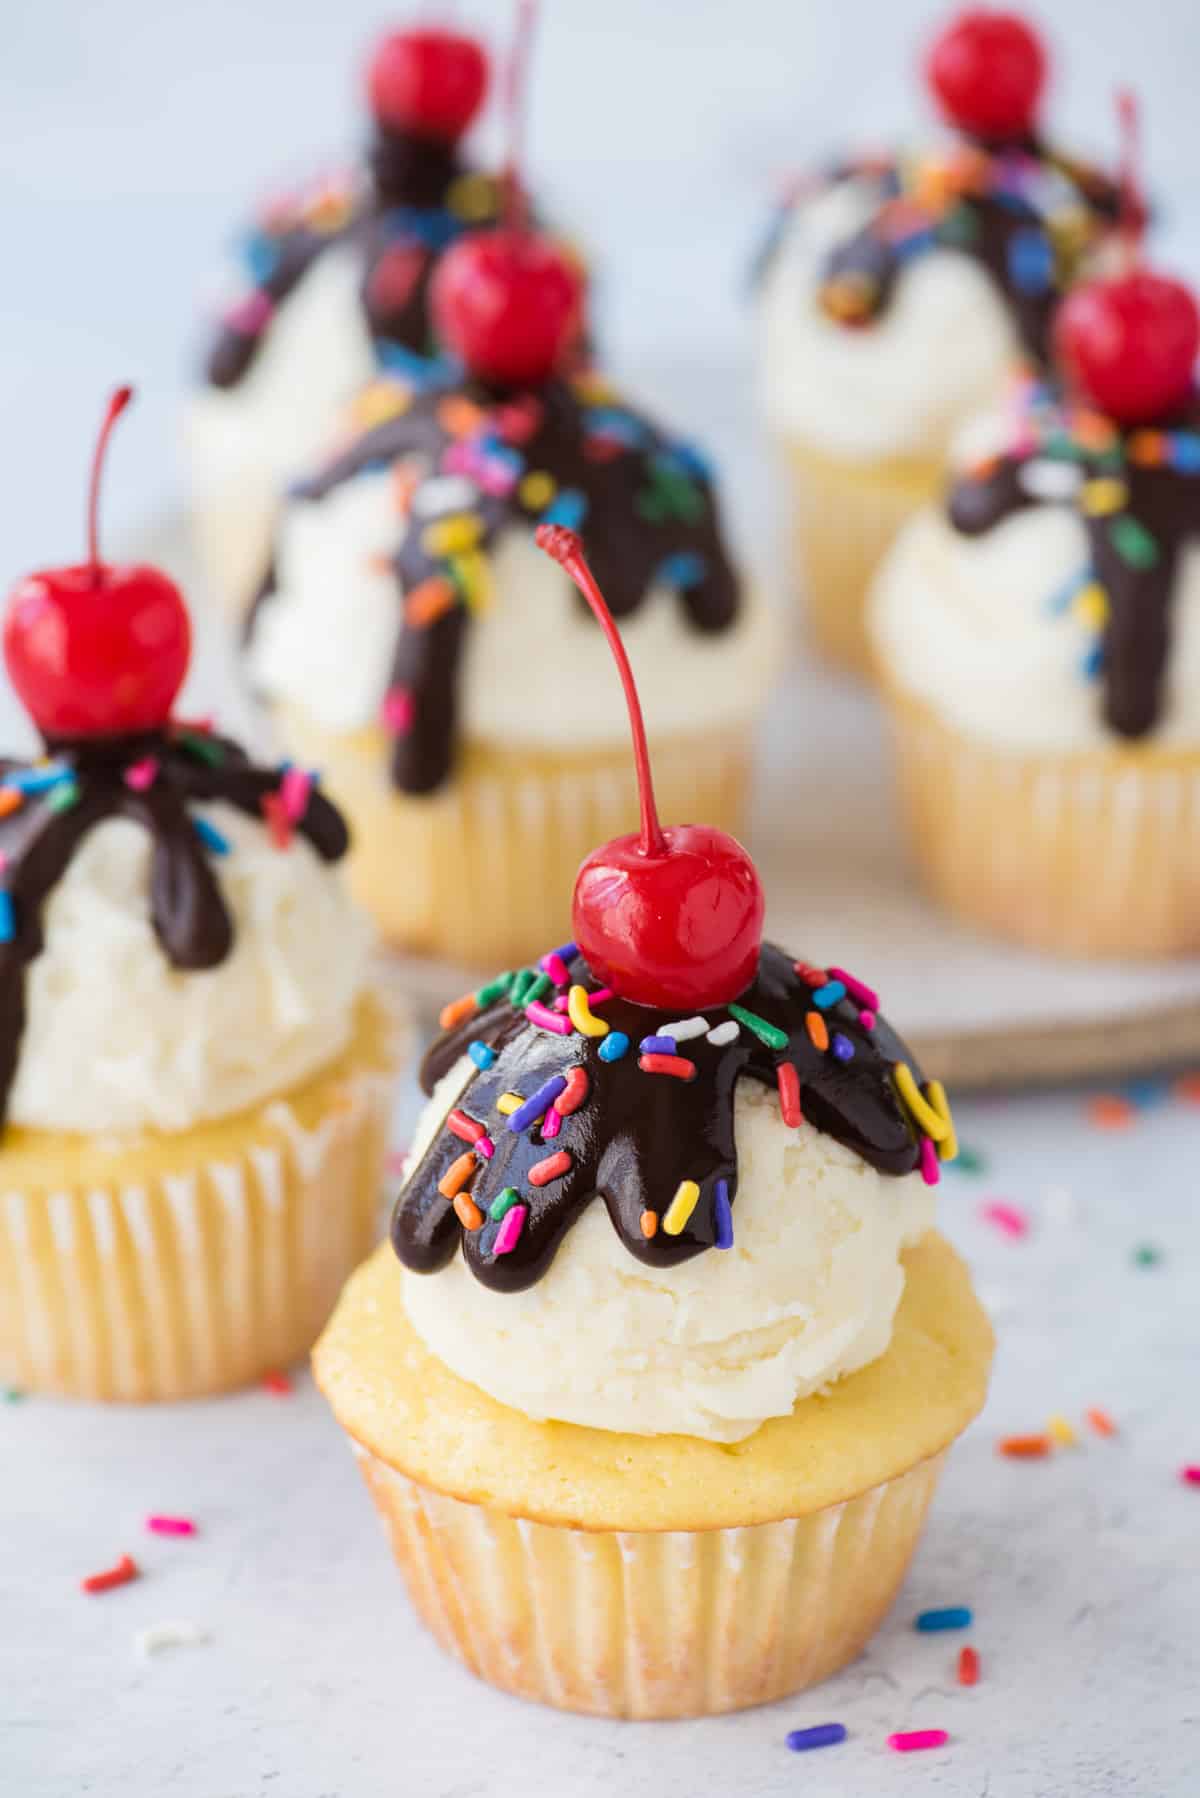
x=542 y=1100
x=657 y=1045
x=821 y=1735
x=723 y=1214
x=565 y=951
x=842 y=1047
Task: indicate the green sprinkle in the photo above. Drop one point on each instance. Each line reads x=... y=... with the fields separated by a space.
x=203 y=748
x=495 y=989
x=759 y=1027
x=960 y=226
x=538 y=989
x=969 y=1161
x=1146 y=1255
x=504 y=1201
x=1133 y=542
x=12 y=1396
x=63 y=797
x=521 y=985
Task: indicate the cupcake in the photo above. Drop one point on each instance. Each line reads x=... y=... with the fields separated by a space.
x=193 y=1073
x=412 y=642
x=1039 y=641
x=332 y=283
x=895 y=294
x=656 y=1387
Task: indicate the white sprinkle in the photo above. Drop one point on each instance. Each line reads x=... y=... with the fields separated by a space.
x=685 y=1029
x=444 y=493
x=152 y=1641
x=1044 y=479
x=724 y=1033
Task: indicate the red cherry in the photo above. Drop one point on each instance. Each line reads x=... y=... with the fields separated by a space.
x=671 y=918
x=1129 y=344
x=95 y=650
x=429 y=82
x=987 y=71
x=508 y=303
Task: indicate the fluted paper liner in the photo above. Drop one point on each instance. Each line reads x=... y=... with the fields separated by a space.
x=1091 y=854
x=415 y=863
x=169 y=1266
x=845 y=516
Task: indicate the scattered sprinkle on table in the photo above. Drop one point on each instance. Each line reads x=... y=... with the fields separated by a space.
x=1063 y=1432
x=152 y=1641
x=277 y=1382
x=1187 y=1089
x=969 y=1161
x=126 y=1569
x=1007 y=1218
x=968 y=1666
x=821 y=1735
x=1024 y=1448
x=1101 y=1422
x=911 y=1741
x=1109 y=1111
x=952 y=1616
x=1146 y=1255
x=171 y=1526
x=1190 y=1475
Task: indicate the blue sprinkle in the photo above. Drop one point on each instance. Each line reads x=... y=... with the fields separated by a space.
x=828 y=995
x=210 y=836
x=481 y=1055
x=260 y=254
x=954 y=1616
x=568 y=508
x=1060 y=600
x=915 y=244
x=37 y=780
x=614 y=1045
x=657 y=1045
x=723 y=1215
x=821 y=1735
x=1147 y=1092
x=692 y=460
x=1031 y=261
x=842 y=1047
x=433 y=226
x=1093 y=662
x=1183 y=452
x=422 y=371
x=611 y=421
x=538 y=1106
x=686 y=568
x=8 y=919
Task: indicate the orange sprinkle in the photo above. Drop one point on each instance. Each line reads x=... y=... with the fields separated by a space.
x=405 y=480
x=649 y=1223
x=456 y=1011
x=460 y=417
x=1187 y=1088
x=10 y=801
x=968 y=1667
x=428 y=601
x=1024 y=1448
x=457 y=1175
x=125 y=1570
x=818 y=1029
x=1109 y=1111
x=1148 y=448
x=277 y=1382
x=466 y=1210
x=1101 y=1422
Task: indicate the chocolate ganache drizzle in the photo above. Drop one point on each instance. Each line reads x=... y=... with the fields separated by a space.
x=580 y=1095
x=568 y=452
x=1137 y=493
x=47 y=809
x=1026 y=214
x=418 y=197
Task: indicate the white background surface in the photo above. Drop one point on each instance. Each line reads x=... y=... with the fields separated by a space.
x=134 y=135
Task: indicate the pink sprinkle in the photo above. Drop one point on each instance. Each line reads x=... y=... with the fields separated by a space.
x=549 y=1020
x=1190 y=1475
x=483 y=1145
x=294 y=790
x=508 y=1235
x=556 y=967
x=171 y=1526
x=599 y=996
x=908 y=1741
x=866 y=996
x=143 y=774
x=1009 y=1218
x=249 y=316
x=867 y=1019
x=551 y=1124
x=560 y=1002
x=931 y=1173
x=398 y=710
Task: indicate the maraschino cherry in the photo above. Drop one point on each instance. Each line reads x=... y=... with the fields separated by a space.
x=96 y=650
x=508 y=301
x=671 y=918
x=987 y=71
x=428 y=82
x=1128 y=343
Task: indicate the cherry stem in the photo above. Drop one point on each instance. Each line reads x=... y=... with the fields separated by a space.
x=1132 y=216
x=515 y=108
x=116 y=405
x=567 y=550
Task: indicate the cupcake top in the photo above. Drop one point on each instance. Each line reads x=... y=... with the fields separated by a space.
x=664 y=1086
x=390 y=218
x=896 y=288
x=437 y=496
x=1056 y=600
x=172 y=944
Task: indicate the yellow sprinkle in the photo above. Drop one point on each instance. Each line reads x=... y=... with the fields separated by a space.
x=935 y=1092
x=537 y=490
x=474 y=579
x=1099 y=498
x=472 y=197
x=1090 y=606
x=681 y=1207
x=594 y=388
x=580 y=1013
x=507 y=1103
x=918 y=1108
x=382 y=400
x=1061 y=1430
x=451 y=536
